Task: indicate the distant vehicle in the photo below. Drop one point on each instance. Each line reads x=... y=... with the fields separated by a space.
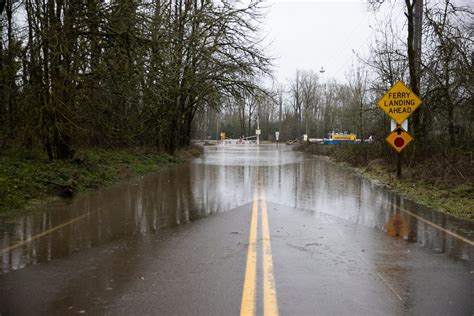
x=337 y=138
x=316 y=140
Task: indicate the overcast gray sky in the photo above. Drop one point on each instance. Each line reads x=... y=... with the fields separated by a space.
x=312 y=34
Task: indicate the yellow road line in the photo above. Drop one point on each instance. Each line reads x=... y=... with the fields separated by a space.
x=247 y=307
x=270 y=306
x=470 y=242
x=46 y=232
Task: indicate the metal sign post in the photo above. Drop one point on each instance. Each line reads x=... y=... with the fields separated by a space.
x=399 y=103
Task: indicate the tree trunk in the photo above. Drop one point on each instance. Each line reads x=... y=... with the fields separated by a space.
x=412 y=64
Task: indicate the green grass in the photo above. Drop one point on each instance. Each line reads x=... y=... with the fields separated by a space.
x=23 y=179
x=457 y=200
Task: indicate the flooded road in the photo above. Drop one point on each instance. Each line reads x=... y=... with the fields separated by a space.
x=240 y=228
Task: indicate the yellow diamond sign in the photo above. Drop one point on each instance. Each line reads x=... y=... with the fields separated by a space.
x=399 y=139
x=399 y=102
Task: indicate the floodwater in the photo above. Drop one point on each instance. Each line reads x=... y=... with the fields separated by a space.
x=222 y=179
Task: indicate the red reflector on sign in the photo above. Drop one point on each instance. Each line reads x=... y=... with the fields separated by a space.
x=399 y=142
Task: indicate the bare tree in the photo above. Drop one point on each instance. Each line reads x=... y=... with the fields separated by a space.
x=296 y=92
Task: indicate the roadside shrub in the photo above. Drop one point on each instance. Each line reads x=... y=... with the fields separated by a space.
x=357 y=155
x=435 y=162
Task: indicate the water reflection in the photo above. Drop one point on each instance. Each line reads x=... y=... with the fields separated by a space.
x=222 y=179
x=397 y=227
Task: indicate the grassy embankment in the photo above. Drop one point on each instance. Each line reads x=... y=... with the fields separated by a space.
x=26 y=179
x=441 y=178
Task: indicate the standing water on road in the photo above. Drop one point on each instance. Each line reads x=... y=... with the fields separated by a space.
x=223 y=179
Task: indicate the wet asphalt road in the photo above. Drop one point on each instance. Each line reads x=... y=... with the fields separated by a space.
x=239 y=229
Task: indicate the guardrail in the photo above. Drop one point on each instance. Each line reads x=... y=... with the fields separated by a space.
x=229 y=141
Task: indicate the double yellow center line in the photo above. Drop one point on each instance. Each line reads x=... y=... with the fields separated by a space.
x=249 y=293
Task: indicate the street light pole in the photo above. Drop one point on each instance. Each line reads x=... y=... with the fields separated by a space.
x=322 y=71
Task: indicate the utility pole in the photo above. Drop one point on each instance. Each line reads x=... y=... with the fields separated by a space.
x=258 y=129
x=280 y=105
x=280 y=101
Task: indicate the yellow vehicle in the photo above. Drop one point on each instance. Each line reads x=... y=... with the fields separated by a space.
x=344 y=137
x=336 y=138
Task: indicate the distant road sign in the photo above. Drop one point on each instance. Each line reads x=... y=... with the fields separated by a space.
x=277 y=135
x=258 y=132
x=399 y=139
x=399 y=102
